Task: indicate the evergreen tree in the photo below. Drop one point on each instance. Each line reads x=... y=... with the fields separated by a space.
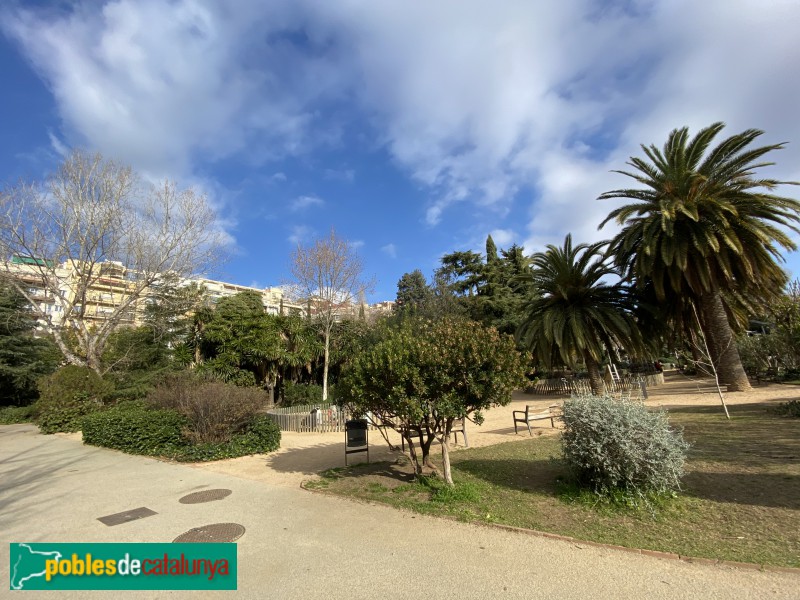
x=23 y=357
x=412 y=292
x=490 y=292
x=491 y=250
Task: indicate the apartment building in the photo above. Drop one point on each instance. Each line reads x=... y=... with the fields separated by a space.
x=53 y=287
x=272 y=297
x=352 y=310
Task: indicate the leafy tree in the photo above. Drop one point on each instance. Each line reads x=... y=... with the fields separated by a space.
x=350 y=338
x=242 y=343
x=23 y=357
x=422 y=375
x=704 y=229
x=577 y=314
x=777 y=346
x=134 y=359
x=301 y=348
x=171 y=307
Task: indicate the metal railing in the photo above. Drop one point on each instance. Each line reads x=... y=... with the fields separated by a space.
x=581 y=385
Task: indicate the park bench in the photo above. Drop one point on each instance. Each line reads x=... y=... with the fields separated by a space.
x=531 y=413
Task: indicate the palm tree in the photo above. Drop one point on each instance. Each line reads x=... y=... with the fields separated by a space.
x=577 y=315
x=703 y=228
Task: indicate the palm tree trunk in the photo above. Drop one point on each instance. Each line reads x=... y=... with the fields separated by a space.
x=722 y=343
x=595 y=378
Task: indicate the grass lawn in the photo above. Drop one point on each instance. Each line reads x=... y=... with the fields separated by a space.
x=740 y=502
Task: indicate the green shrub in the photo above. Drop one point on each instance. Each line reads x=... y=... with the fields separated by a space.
x=614 y=446
x=215 y=411
x=138 y=428
x=68 y=395
x=788 y=409
x=135 y=428
x=9 y=415
x=296 y=394
x=262 y=435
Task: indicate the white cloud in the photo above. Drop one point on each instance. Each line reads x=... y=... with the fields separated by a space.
x=161 y=85
x=486 y=104
x=356 y=244
x=503 y=238
x=303 y=202
x=61 y=149
x=390 y=250
x=300 y=234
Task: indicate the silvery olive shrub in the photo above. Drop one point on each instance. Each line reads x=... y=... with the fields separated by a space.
x=613 y=445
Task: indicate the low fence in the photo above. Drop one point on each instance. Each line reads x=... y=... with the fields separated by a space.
x=581 y=385
x=305 y=418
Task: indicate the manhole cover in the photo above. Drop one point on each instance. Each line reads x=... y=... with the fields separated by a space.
x=125 y=517
x=216 y=532
x=205 y=496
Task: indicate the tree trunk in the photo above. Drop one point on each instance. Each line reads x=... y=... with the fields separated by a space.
x=412 y=453
x=325 y=366
x=92 y=356
x=722 y=343
x=69 y=355
x=447 y=474
x=429 y=463
x=595 y=378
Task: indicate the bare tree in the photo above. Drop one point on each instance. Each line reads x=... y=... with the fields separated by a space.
x=328 y=274
x=94 y=233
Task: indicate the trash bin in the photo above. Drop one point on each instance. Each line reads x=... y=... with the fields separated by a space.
x=356 y=438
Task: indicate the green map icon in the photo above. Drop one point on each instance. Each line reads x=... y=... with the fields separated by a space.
x=28 y=564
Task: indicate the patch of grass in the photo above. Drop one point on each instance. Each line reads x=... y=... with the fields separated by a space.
x=740 y=499
x=617 y=500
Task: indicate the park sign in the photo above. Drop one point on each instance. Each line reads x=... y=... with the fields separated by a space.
x=82 y=566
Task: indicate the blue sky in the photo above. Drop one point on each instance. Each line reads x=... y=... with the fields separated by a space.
x=412 y=128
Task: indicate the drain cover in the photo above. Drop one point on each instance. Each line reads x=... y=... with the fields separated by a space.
x=128 y=515
x=216 y=532
x=205 y=496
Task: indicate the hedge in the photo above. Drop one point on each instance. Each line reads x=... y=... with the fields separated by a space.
x=135 y=428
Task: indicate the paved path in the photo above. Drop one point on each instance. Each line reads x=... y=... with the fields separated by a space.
x=302 y=545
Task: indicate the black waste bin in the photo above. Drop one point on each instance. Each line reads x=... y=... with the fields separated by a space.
x=356 y=438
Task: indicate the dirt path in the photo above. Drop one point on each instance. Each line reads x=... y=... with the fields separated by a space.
x=303 y=455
